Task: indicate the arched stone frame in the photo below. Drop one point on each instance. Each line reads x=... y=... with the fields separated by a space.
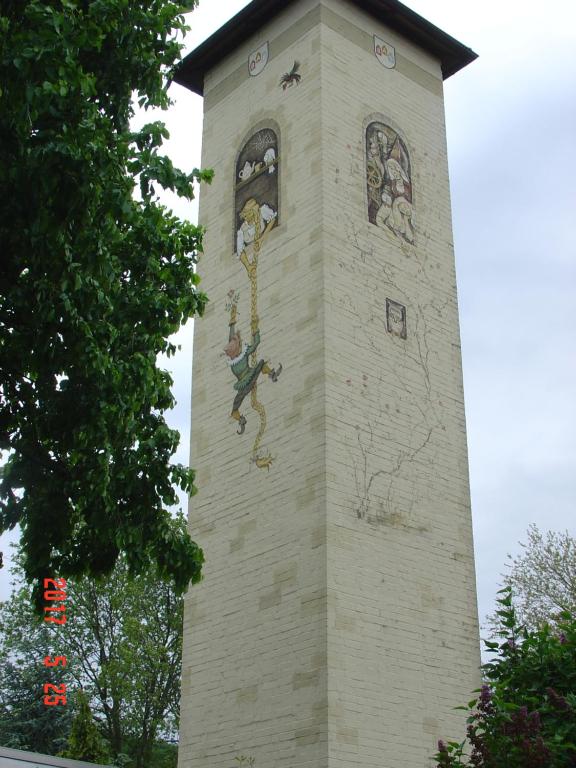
x=389 y=177
x=257 y=173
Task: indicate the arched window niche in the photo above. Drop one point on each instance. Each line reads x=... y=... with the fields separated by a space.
x=389 y=181
x=256 y=188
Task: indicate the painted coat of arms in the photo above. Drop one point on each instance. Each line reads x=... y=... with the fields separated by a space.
x=384 y=52
x=258 y=60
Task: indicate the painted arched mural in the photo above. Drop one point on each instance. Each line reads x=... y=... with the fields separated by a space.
x=256 y=184
x=389 y=181
x=256 y=214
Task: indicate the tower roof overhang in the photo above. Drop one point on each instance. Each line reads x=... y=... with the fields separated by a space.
x=452 y=54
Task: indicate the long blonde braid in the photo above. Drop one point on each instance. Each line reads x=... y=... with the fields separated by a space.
x=254 y=217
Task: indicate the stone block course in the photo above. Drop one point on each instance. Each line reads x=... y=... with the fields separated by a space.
x=336 y=624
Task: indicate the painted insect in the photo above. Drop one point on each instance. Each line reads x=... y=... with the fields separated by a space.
x=289 y=78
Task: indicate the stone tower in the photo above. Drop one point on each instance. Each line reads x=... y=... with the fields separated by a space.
x=336 y=625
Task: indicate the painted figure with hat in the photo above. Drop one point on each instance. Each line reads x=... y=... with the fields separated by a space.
x=238 y=353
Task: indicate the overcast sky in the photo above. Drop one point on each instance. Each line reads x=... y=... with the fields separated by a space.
x=511 y=120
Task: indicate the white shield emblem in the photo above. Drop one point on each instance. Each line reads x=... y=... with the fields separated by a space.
x=384 y=52
x=258 y=60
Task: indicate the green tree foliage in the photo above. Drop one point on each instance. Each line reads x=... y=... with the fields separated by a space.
x=543 y=578
x=123 y=645
x=94 y=281
x=525 y=714
x=164 y=755
x=84 y=741
x=25 y=721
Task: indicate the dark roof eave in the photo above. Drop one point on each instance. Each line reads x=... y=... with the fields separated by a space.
x=452 y=54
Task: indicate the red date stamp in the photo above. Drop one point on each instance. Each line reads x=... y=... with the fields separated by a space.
x=58 y=596
x=55 y=593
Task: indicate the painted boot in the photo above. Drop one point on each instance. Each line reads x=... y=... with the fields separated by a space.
x=275 y=372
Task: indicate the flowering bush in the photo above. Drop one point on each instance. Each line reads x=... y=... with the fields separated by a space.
x=525 y=713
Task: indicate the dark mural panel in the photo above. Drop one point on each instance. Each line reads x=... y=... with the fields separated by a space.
x=389 y=181
x=256 y=183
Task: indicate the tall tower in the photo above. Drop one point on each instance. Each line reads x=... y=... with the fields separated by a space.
x=336 y=625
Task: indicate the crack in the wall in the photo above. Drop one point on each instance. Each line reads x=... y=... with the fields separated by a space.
x=376 y=487
x=364 y=479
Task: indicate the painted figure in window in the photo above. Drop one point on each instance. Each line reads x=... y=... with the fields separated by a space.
x=257 y=221
x=238 y=353
x=388 y=181
x=256 y=214
x=256 y=184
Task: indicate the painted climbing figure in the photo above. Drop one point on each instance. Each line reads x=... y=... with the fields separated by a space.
x=256 y=215
x=238 y=354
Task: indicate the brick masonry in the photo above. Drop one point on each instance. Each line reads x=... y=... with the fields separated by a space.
x=336 y=625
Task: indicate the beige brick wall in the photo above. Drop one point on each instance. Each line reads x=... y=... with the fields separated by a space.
x=336 y=623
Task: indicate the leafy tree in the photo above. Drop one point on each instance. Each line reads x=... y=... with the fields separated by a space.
x=123 y=644
x=94 y=281
x=525 y=714
x=84 y=741
x=126 y=637
x=25 y=721
x=164 y=755
x=543 y=578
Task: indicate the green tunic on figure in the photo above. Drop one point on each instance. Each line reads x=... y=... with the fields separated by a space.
x=240 y=367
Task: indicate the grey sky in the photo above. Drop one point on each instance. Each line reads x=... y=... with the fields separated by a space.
x=511 y=121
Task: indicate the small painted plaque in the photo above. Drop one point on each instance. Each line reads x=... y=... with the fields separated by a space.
x=396 y=318
x=258 y=60
x=384 y=52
